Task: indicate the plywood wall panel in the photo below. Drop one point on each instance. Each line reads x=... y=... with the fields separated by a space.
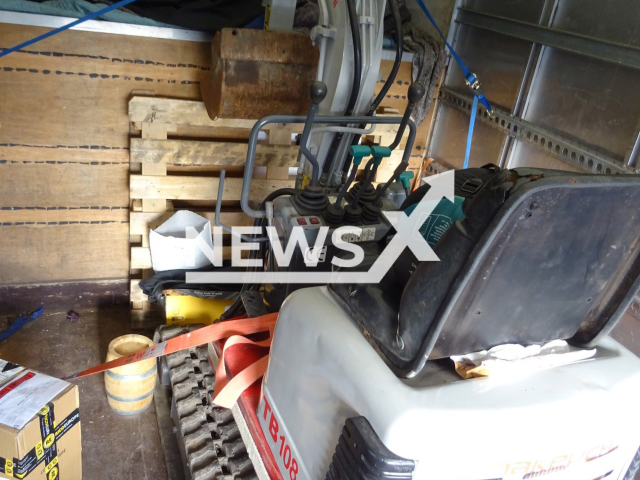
x=64 y=147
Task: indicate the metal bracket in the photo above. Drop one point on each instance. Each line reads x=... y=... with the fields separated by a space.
x=617 y=53
x=552 y=143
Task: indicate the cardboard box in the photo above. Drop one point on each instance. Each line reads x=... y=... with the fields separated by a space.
x=39 y=426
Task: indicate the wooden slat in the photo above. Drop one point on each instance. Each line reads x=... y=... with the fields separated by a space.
x=184 y=114
x=39 y=255
x=173 y=111
x=199 y=188
x=136 y=293
x=140 y=257
x=140 y=223
x=191 y=152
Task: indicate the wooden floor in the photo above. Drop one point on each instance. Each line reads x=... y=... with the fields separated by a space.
x=113 y=446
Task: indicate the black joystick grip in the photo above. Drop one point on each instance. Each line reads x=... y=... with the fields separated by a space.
x=318 y=91
x=416 y=92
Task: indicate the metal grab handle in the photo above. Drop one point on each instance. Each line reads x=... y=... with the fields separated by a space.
x=216 y=218
x=260 y=124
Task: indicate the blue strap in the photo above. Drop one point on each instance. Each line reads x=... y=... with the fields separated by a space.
x=469 y=77
x=472 y=123
x=18 y=323
x=91 y=16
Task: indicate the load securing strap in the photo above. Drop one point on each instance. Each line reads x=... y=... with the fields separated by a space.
x=226 y=392
x=471 y=80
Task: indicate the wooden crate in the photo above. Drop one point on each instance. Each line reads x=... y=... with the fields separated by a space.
x=176 y=157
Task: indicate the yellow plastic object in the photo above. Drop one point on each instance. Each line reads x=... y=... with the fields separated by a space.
x=185 y=309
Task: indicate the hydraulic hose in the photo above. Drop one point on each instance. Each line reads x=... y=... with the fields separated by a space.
x=357 y=57
x=395 y=13
x=236 y=306
x=357 y=78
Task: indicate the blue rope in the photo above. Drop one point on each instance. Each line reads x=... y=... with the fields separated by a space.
x=472 y=123
x=91 y=16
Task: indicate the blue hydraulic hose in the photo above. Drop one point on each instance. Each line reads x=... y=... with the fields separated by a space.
x=91 y=16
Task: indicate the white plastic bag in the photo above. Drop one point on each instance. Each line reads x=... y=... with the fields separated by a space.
x=170 y=247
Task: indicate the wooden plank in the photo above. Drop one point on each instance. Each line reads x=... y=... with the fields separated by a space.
x=193 y=152
x=175 y=111
x=277 y=173
x=62 y=297
x=184 y=113
x=156 y=204
x=140 y=257
x=199 y=188
x=83 y=111
x=64 y=146
x=67 y=185
x=136 y=293
x=140 y=223
x=11 y=153
x=280 y=134
x=81 y=252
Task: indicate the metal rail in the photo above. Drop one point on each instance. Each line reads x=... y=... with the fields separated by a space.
x=572 y=42
x=548 y=141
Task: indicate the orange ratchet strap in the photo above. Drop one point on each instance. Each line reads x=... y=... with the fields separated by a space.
x=211 y=333
x=226 y=392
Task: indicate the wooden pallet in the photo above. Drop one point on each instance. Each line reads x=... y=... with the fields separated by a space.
x=176 y=154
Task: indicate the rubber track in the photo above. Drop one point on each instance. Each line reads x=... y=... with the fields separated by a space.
x=209 y=439
x=634 y=467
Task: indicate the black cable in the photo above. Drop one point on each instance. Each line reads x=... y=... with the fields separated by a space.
x=395 y=13
x=346 y=185
x=357 y=78
x=357 y=57
x=236 y=306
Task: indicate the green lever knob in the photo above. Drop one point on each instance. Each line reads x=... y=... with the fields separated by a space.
x=382 y=152
x=358 y=152
x=379 y=153
x=405 y=178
